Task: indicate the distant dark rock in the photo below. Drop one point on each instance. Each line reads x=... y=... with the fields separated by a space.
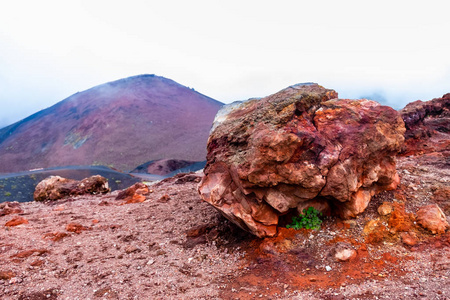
x=427 y=126
x=167 y=166
x=120 y=124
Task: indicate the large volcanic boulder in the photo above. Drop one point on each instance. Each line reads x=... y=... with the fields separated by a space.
x=427 y=126
x=300 y=146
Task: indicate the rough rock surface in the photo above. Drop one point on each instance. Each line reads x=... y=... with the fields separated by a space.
x=56 y=187
x=432 y=218
x=266 y=157
x=134 y=194
x=427 y=126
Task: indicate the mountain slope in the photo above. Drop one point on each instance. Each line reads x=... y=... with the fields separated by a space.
x=123 y=124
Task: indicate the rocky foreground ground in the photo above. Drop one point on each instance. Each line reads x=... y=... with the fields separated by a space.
x=175 y=246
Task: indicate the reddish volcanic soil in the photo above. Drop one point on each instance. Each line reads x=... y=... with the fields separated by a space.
x=174 y=246
x=122 y=124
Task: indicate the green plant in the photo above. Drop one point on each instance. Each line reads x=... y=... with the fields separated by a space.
x=7 y=194
x=309 y=219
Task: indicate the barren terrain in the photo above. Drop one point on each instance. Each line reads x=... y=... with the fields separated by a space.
x=174 y=246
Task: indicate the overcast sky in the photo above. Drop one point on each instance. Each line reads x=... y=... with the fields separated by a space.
x=394 y=51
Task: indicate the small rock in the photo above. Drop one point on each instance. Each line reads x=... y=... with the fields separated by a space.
x=371 y=226
x=432 y=218
x=134 y=194
x=75 y=227
x=164 y=198
x=345 y=254
x=198 y=230
x=55 y=236
x=6 y=275
x=16 y=221
x=160 y=252
x=132 y=249
x=409 y=238
x=328 y=268
x=15 y=280
x=385 y=209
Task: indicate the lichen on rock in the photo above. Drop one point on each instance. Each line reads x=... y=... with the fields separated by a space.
x=266 y=157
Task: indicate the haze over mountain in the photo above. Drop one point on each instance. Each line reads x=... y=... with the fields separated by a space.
x=123 y=124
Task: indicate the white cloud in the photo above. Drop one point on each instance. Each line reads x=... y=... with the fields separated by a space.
x=228 y=50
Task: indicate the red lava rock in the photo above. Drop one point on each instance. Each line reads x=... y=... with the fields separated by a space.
x=164 y=198
x=6 y=275
x=409 y=238
x=198 y=230
x=75 y=227
x=134 y=194
x=56 y=187
x=37 y=263
x=8 y=208
x=268 y=156
x=432 y=218
x=399 y=220
x=16 y=221
x=55 y=236
x=28 y=253
x=134 y=199
x=375 y=232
